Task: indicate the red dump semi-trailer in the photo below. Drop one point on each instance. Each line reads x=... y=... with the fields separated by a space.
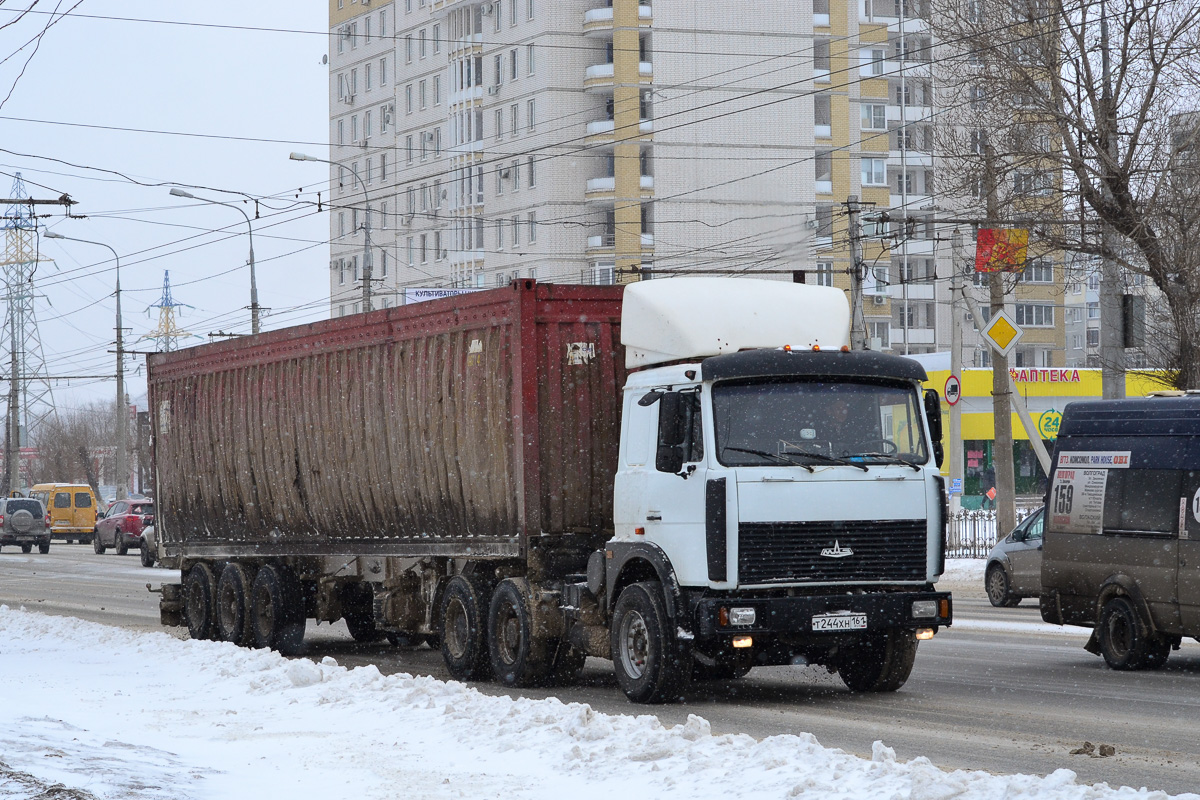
x=446 y=472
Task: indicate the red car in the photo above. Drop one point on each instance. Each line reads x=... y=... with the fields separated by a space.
x=122 y=526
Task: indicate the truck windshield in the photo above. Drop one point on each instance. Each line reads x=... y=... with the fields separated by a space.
x=757 y=422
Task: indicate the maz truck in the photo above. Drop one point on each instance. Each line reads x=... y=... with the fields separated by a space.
x=690 y=477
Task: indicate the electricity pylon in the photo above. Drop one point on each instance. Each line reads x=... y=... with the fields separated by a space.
x=167 y=334
x=29 y=399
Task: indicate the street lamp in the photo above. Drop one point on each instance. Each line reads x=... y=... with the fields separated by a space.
x=177 y=192
x=122 y=408
x=366 y=223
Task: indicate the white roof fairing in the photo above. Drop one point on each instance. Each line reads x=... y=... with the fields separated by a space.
x=686 y=318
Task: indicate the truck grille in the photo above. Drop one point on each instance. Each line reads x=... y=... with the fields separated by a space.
x=790 y=552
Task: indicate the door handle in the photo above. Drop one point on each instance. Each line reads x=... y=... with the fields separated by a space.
x=654 y=518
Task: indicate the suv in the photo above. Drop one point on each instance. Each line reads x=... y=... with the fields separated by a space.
x=122 y=526
x=24 y=522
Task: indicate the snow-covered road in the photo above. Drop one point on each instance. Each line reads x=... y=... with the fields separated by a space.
x=110 y=713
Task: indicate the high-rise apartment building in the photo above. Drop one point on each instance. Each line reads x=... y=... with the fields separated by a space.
x=579 y=141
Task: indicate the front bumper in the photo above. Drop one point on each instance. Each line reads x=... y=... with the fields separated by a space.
x=794 y=615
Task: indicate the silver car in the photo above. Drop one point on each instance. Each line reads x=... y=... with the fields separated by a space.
x=1014 y=565
x=25 y=523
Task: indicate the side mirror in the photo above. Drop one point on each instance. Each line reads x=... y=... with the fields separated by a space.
x=671 y=434
x=933 y=413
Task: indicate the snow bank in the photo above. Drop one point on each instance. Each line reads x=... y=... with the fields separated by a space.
x=121 y=714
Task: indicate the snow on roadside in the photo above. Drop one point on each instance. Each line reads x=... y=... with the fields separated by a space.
x=112 y=713
x=964 y=570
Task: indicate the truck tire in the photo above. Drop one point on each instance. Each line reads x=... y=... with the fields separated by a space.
x=645 y=655
x=277 y=613
x=233 y=606
x=97 y=545
x=878 y=662
x=464 y=629
x=200 y=591
x=519 y=657
x=147 y=556
x=1126 y=641
x=359 y=613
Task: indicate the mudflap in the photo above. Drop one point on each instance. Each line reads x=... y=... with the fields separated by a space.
x=170 y=605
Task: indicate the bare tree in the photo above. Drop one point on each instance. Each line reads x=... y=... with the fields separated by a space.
x=1087 y=106
x=70 y=446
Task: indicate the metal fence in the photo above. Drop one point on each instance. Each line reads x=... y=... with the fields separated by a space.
x=971 y=534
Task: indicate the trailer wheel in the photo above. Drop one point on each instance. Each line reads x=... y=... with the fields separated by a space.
x=519 y=657
x=200 y=590
x=277 y=612
x=878 y=662
x=233 y=606
x=1125 y=641
x=463 y=628
x=644 y=651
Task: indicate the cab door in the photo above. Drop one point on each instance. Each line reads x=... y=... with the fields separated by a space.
x=1188 y=589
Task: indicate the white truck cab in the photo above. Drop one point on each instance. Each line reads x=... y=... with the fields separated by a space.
x=782 y=490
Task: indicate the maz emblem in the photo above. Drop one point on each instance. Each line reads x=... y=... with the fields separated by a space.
x=837 y=551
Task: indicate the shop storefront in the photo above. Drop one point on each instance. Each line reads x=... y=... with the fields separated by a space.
x=1046 y=391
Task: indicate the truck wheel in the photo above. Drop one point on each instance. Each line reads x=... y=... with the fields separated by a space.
x=878 y=662
x=464 y=633
x=44 y=548
x=200 y=589
x=1125 y=642
x=998 y=592
x=233 y=606
x=359 y=613
x=147 y=556
x=645 y=657
x=518 y=656
x=277 y=616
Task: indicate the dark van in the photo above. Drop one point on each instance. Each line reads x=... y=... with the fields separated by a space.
x=1121 y=551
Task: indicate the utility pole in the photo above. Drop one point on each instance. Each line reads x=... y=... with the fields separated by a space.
x=858 y=332
x=1112 y=323
x=956 y=320
x=1002 y=440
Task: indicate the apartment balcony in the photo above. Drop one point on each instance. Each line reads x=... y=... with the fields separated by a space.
x=598 y=22
x=915 y=201
x=600 y=77
x=604 y=190
x=607 y=243
x=916 y=247
x=916 y=291
x=915 y=336
x=912 y=113
x=602 y=132
x=911 y=158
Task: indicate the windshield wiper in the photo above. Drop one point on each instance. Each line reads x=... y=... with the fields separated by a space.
x=766 y=454
x=891 y=459
x=831 y=460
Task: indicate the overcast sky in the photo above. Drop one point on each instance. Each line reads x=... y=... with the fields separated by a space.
x=125 y=98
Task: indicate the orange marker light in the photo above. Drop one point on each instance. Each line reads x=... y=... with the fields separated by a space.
x=816 y=348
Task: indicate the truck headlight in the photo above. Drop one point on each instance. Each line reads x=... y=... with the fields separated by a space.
x=924 y=608
x=741 y=616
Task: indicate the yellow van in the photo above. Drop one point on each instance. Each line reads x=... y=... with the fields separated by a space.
x=72 y=509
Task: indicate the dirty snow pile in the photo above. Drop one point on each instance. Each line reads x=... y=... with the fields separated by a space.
x=91 y=711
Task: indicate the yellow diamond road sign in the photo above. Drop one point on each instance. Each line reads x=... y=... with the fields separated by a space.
x=1002 y=333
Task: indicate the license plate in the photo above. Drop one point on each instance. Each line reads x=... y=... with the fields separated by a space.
x=839 y=622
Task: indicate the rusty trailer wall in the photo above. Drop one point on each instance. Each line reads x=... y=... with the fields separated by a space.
x=454 y=427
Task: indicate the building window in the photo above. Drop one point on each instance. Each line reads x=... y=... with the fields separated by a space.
x=437 y=90
x=341 y=131
x=532 y=221
x=499 y=234
x=880 y=331
x=354 y=128
x=499 y=123
x=1093 y=337
x=408 y=99
x=874 y=172
x=408 y=149
x=874 y=116
x=437 y=39
x=421 y=94
x=421 y=43
x=367 y=76
x=515 y=174
x=529 y=59
x=532 y=175
x=824 y=273
x=383 y=263
x=1039 y=270
x=529 y=114
x=408 y=49
x=383 y=166
x=497 y=69
x=1037 y=315
x=529 y=9
x=512 y=62
x=515 y=124
x=1093 y=311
